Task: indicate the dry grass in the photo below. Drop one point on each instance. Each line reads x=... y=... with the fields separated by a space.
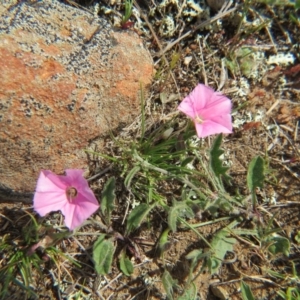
x=230 y=50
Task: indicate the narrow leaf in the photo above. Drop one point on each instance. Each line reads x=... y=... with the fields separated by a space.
x=179 y=209
x=163 y=242
x=126 y=265
x=175 y=58
x=103 y=251
x=246 y=291
x=130 y=175
x=108 y=198
x=194 y=254
x=189 y=294
x=215 y=162
x=168 y=283
x=187 y=161
x=255 y=175
x=137 y=216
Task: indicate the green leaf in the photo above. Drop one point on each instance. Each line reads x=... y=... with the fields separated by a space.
x=297 y=237
x=279 y=245
x=195 y=254
x=130 y=175
x=220 y=244
x=255 y=175
x=137 y=216
x=179 y=209
x=103 y=251
x=168 y=283
x=163 y=242
x=246 y=291
x=108 y=198
x=175 y=58
x=189 y=294
x=126 y=265
x=187 y=161
x=128 y=11
x=215 y=162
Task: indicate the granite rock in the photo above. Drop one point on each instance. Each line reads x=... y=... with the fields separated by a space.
x=67 y=78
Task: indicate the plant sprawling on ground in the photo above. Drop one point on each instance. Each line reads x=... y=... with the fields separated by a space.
x=190 y=207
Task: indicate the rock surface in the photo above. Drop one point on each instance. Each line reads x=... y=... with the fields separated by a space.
x=66 y=78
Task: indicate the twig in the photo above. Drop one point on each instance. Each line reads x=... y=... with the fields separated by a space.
x=296 y=131
x=157 y=41
x=203 y=64
x=203 y=24
x=165 y=172
x=100 y=173
x=108 y=285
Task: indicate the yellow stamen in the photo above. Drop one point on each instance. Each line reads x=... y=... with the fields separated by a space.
x=198 y=119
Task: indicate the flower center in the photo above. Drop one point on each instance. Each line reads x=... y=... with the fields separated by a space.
x=71 y=193
x=198 y=119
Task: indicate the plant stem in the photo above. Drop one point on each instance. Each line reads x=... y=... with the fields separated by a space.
x=164 y=172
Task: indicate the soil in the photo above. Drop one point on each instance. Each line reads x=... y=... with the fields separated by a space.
x=271 y=99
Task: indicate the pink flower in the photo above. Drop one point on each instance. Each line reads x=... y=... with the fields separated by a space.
x=70 y=194
x=209 y=110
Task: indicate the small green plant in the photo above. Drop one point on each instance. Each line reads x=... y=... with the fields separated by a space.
x=127 y=13
x=246 y=291
x=255 y=177
x=25 y=258
x=292 y=293
x=170 y=157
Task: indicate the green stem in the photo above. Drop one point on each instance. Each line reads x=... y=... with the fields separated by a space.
x=164 y=172
x=209 y=222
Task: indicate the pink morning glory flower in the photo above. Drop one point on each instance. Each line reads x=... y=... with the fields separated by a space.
x=209 y=110
x=70 y=194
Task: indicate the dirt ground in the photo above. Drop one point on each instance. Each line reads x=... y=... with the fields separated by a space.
x=266 y=122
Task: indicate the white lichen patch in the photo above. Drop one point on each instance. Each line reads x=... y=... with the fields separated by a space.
x=192 y=10
x=283 y=59
x=243 y=87
x=165 y=3
x=139 y=24
x=195 y=6
x=241 y=118
x=167 y=27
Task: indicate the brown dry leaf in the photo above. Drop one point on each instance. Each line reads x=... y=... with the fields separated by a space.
x=271 y=76
x=293 y=70
x=260 y=97
x=251 y=125
x=287 y=114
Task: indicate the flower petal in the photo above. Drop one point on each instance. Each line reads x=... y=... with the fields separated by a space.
x=49 y=182
x=199 y=130
x=50 y=193
x=187 y=107
x=73 y=177
x=218 y=106
x=201 y=97
x=225 y=121
x=221 y=124
x=85 y=202
x=45 y=202
x=210 y=110
x=82 y=207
